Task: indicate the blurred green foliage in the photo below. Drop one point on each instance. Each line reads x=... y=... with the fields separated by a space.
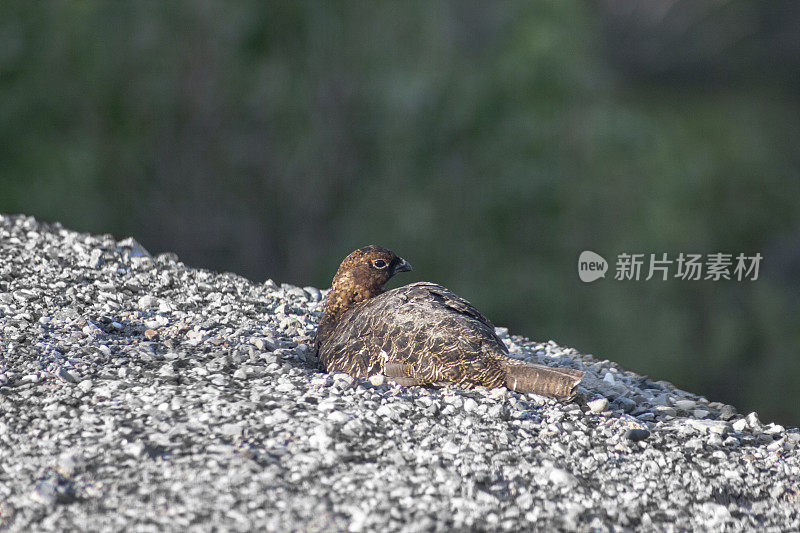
x=488 y=143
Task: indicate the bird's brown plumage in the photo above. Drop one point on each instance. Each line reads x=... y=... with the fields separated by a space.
x=419 y=334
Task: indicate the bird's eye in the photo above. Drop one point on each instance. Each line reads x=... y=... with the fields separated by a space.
x=379 y=263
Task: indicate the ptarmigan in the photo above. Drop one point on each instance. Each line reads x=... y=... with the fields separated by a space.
x=419 y=334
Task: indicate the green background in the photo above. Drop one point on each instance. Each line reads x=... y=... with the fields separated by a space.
x=489 y=143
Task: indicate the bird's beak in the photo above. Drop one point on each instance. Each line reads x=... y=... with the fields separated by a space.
x=402 y=266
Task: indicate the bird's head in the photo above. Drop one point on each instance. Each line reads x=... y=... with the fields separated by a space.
x=369 y=268
x=361 y=276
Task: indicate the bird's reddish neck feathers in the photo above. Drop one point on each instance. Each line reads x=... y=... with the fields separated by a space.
x=347 y=290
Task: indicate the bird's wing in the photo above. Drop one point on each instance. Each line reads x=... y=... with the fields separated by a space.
x=421 y=331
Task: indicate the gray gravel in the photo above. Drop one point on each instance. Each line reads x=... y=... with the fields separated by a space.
x=139 y=394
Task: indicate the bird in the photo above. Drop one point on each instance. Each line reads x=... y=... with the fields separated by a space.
x=419 y=334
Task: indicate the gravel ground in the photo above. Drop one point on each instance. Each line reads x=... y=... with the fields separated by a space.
x=139 y=394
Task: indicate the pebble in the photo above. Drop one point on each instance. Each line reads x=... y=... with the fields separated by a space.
x=387 y=411
x=739 y=425
x=637 y=434
x=67 y=375
x=752 y=421
x=147 y=302
x=664 y=411
x=559 y=476
x=625 y=404
x=694 y=444
x=67 y=464
x=450 y=447
x=338 y=417
x=727 y=412
x=718 y=427
x=45 y=492
x=276 y=417
x=470 y=405
x=285 y=387
x=313 y=293
x=232 y=430
x=320 y=439
x=685 y=405
x=599 y=405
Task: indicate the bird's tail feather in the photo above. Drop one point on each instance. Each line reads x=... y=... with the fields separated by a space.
x=561 y=383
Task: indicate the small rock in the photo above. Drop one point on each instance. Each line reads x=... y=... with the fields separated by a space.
x=774 y=429
x=752 y=421
x=470 y=405
x=232 y=430
x=599 y=405
x=685 y=405
x=693 y=444
x=95 y=258
x=150 y=334
x=30 y=378
x=24 y=295
x=46 y=492
x=67 y=375
x=342 y=381
x=67 y=465
x=731 y=442
x=326 y=405
x=313 y=293
x=776 y=445
x=320 y=439
x=377 y=380
x=664 y=410
x=91 y=330
x=386 y=410
x=715 y=514
x=717 y=427
x=264 y=343
x=450 y=448
x=286 y=386
x=321 y=381
x=338 y=417
x=625 y=404
x=147 y=301
x=739 y=425
x=559 y=476
x=637 y=434
x=727 y=412
x=276 y=417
